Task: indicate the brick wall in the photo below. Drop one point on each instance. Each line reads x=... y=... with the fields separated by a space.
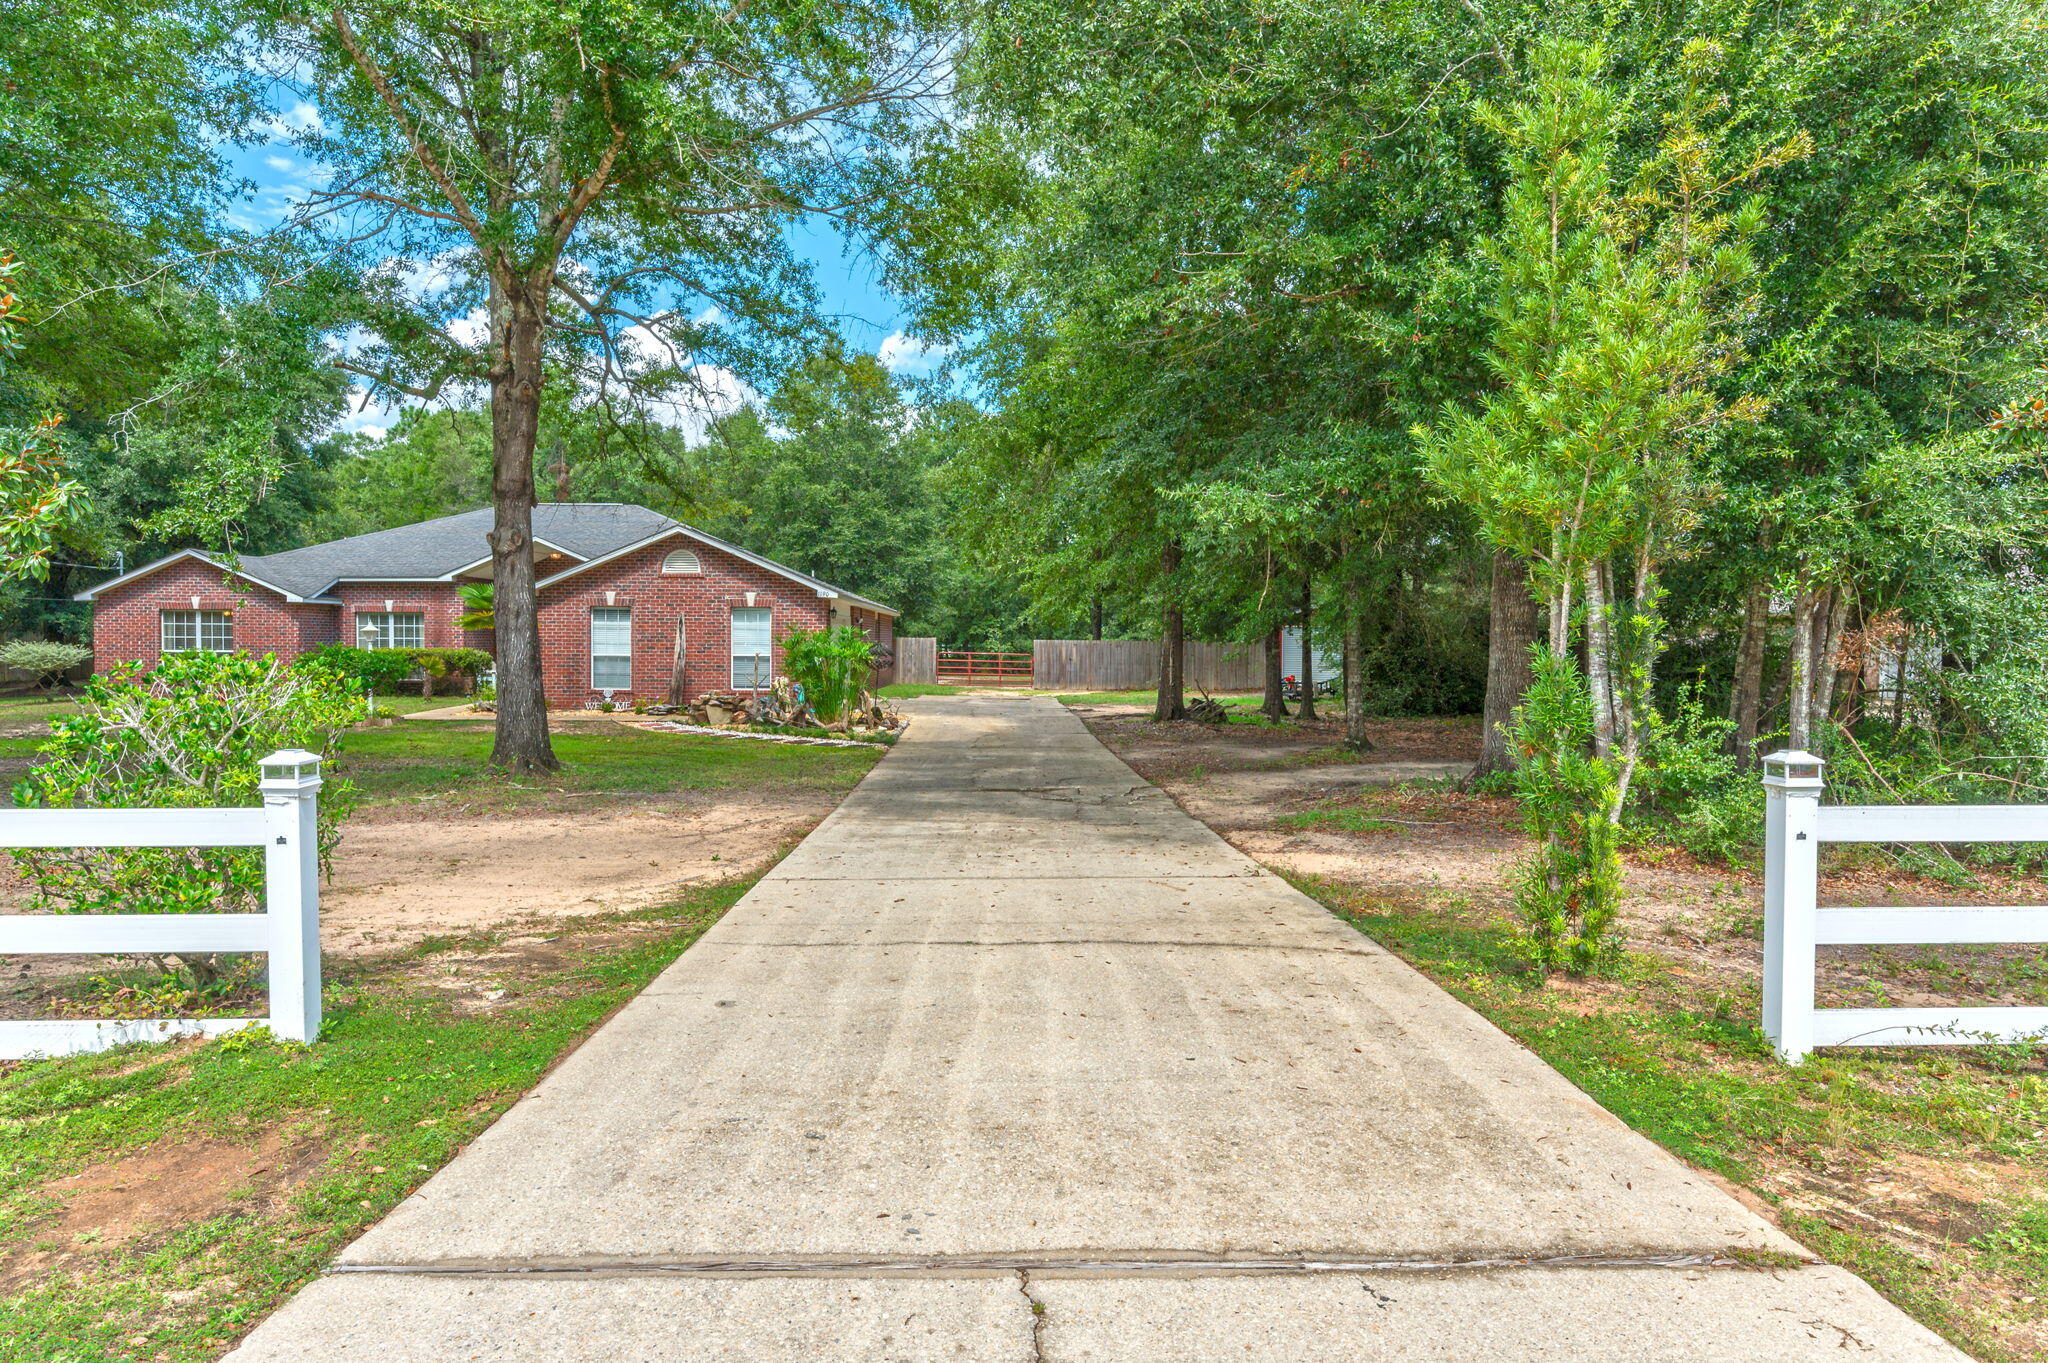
x=705 y=600
x=126 y=623
x=439 y=602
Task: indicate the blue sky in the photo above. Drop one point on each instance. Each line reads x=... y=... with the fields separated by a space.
x=869 y=317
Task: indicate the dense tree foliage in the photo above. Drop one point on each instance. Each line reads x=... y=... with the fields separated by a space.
x=1698 y=343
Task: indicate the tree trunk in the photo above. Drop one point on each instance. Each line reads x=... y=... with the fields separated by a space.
x=1355 y=737
x=1172 y=703
x=1306 y=711
x=1599 y=660
x=677 y=666
x=1095 y=617
x=1827 y=643
x=521 y=742
x=1745 y=694
x=1275 y=706
x=1799 y=670
x=1510 y=634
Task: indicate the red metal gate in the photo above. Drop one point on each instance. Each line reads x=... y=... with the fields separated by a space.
x=984 y=669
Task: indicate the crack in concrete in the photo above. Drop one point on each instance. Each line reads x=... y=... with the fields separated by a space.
x=983 y=1265
x=1037 y=1316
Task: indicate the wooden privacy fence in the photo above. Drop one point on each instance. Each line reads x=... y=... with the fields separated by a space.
x=917 y=661
x=1796 y=824
x=288 y=930
x=1133 y=664
x=984 y=669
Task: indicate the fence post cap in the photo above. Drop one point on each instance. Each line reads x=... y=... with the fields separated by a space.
x=1793 y=768
x=290 y=768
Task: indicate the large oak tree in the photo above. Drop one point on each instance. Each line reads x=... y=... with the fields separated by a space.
x=588 y=200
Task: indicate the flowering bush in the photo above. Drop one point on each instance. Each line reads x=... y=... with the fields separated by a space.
x=188 y=733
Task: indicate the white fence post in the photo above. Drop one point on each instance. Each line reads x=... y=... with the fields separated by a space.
x=291 y=891
x=1792 y=786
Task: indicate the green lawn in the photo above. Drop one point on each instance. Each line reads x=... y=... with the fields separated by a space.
x=905 y=690
x=33 y=707
x=318 y=1142
x=1685 y=1064
x=446 y=762
x=1342 y=819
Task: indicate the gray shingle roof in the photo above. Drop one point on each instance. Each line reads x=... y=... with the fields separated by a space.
x=433 y=549
x=436 y=548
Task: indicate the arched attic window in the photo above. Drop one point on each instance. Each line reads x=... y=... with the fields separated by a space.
x=682 y=561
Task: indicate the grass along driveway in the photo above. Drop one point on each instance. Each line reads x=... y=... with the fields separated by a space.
x=448 y=764
x=1926 y=1171
x=156 y=1202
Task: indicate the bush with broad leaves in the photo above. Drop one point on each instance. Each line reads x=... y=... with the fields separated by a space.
x=188 y=733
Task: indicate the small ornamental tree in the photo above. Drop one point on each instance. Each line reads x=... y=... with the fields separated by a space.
x=186 y=734
x=48 y=661
x=832 y=666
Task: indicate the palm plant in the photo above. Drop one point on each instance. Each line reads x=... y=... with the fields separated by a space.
x=479 y=606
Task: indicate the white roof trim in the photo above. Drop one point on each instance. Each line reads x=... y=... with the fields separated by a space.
x=780 y=569
x=91 y=592
x=483 y=562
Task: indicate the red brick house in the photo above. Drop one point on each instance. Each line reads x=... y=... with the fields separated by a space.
x=621 y=589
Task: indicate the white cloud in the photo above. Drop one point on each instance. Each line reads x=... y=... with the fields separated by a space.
x=902 y=353
x=367 y=414
x=712 y=391
x=284 y=165
x=297 y=121
x=473 y=329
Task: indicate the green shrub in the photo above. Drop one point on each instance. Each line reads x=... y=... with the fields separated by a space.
x=832 y=666
x=1568 y=889
x=1690 y=792
x=374 y=669
x=49 y=661
x=435 y=663
x=187 y=733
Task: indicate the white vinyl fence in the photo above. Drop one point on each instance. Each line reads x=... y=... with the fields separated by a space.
x=1796 y=824
x=288 y=930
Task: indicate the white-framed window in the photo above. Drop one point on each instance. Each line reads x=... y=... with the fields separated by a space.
x=753 y=650
x=611 y=648
x=391 y=629
x=198 y=632
x=682 y=561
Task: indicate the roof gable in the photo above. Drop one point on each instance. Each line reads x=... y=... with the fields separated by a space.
x=675 y=528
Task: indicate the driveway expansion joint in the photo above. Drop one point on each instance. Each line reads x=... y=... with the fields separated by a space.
x=1095 y=1265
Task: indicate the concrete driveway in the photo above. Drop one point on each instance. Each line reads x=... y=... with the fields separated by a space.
x=1013 y=1062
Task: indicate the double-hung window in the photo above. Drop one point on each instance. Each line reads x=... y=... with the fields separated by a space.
x=391 y=629
x=753 y=653
x=198 y=632
x=611 y=648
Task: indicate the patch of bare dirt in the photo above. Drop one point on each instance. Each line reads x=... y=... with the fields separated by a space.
x=126 y=1202
x=399 y=878
x=1425 y=836
x=403 y=874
